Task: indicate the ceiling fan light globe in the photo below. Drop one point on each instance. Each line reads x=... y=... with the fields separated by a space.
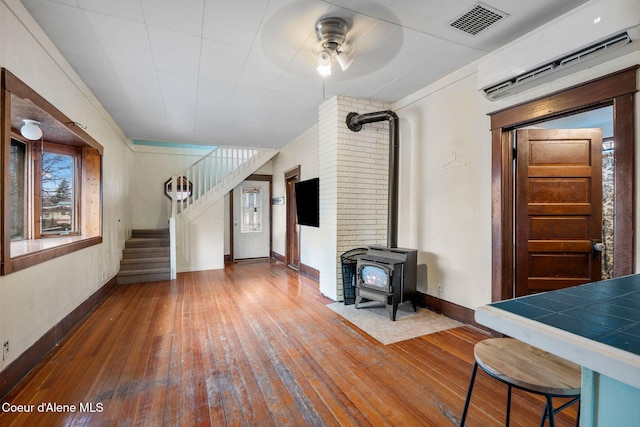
x=31 y=130
x=324 y=57
x=344 y=60
x=324 y=70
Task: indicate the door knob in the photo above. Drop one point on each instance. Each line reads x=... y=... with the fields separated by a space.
x=598 y=246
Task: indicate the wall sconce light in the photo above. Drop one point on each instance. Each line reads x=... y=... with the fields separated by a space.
x=183 y=191
x=31 y=130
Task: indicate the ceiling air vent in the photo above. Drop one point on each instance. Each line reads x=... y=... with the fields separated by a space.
x=477 y=19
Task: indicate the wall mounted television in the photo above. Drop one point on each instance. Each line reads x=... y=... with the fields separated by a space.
x=308 y=202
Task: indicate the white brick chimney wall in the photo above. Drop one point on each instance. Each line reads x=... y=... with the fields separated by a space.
x=353 y=169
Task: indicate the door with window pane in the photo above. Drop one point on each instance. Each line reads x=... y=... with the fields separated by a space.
x=251 y=220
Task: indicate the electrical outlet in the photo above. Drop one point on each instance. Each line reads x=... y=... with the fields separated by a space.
x=103 y=275
x=439 y=287
x=5 y=349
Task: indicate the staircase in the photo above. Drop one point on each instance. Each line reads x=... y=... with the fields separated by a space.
x=214 y=175
x=207 y=181
x=145 y=257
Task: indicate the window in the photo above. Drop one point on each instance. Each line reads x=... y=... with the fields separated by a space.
x=53 y=205
x=18 y=183
x=58 y=183
x=251 y=210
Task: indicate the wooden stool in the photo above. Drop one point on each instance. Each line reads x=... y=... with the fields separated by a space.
x=528 y=368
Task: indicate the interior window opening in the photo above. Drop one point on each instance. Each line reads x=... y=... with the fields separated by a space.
x=53 y=187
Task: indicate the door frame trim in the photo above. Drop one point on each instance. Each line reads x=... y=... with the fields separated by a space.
x=617 y=89
x=293 y=173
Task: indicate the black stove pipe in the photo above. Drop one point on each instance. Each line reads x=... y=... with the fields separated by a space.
x=355 y=122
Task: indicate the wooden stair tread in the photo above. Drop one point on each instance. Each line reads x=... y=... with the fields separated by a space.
x=529 y=367
x=144 y=260
x=144 y=271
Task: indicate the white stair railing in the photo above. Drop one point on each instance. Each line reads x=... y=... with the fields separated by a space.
x=197 y=185
x=211 y=171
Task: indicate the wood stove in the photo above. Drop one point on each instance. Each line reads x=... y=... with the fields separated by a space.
x=387 y=275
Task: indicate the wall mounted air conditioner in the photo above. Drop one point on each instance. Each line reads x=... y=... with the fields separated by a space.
x=588 y=35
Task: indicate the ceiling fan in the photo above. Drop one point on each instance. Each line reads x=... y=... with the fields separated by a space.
x=332 y=36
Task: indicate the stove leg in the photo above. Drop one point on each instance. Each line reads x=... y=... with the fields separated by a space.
x=392 y=308
x=358 y=300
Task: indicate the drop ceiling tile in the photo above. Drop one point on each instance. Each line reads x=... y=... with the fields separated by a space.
x=175 y=52
x=213 y=95
x=67 y=2
x=365 y=86
x=261 y=71
x=184 y=16
x=71 y=30
x=123 y=41
x=440 y=61
x=394 y=91
x=291 y=104
x=101 y=79
x=142 y=88
x=179 y=93
x=233 y=22
x=127 y=9
x=300 y=78
x=221 y=61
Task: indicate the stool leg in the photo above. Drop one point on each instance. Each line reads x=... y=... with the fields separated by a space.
x=506 y=423
x=549 y=410
x=466 y=403
x=544 y=415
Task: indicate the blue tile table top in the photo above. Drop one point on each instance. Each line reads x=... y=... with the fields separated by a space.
x=606 y=311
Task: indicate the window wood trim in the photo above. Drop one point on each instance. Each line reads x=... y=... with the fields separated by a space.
x=89 y=172
x=76 y=153
x=617 y=89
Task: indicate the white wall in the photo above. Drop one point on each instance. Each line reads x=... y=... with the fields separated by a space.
x=445 y=189
x=154 y=166
x=200 y=244
x=33 y=300
x=446 y=212
x=302 y=152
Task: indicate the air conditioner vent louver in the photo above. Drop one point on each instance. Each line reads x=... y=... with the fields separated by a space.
x=508 y=87
x=612 y=43
x=538 y=72
x=477 y=19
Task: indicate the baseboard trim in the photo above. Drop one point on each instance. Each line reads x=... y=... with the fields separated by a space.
x=277 y=257
x=310 y=272
x=305 y=270
x=13 y=373
x=453 y=311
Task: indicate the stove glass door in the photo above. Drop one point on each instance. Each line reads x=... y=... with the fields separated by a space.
x=374 y=276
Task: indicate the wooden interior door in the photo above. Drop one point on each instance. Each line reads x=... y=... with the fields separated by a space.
x=558 y=208
x=292 y=255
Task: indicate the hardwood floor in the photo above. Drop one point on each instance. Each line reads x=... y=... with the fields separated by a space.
x=254 y=344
